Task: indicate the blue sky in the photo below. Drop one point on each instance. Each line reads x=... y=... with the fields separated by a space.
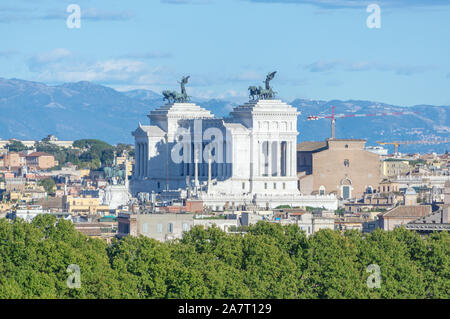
x=322 y=49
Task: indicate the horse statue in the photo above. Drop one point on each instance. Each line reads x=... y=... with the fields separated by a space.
x=253 y=95
x=256 y=93
x=169 y=96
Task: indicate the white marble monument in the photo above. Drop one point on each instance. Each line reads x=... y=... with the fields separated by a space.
x=247 y=158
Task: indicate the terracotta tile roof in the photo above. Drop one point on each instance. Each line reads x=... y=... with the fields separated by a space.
x=408 y=211
x=35 y=154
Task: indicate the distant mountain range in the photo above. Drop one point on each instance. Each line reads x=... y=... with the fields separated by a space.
x=32 y=110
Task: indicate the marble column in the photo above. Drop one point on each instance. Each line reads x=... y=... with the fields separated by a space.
x=288 y=159
x=140 y=160
x=294 y=159
x=269 y=158
x=136 y=159
x=279 y=157
x=262 y=156
x=145 y=159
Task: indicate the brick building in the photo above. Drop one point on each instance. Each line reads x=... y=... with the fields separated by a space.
x=339 y=166
x=40 y=160
x=402 y=215
x=13 y=160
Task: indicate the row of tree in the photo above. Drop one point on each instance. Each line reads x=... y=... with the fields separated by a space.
x=88 y=153
x=270 y=261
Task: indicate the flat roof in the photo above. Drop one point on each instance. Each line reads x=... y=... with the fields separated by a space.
x=309 y=146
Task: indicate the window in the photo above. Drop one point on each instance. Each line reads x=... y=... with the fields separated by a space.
x=265 y=185
x=159 y=228
x=145 y=228
x=185 y=227
x=284 y=185
x=243 y=185
x=322 y=190
x=346 y=163
x=274 y=185
x=170 y=228
x=346 y=192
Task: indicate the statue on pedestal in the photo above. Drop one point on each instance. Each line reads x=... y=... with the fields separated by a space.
x=174 y=96
x=184 y=80
x=259 y=93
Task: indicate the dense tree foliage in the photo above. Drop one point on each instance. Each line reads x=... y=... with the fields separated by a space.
x=16 y=146
x=88 y=153
x=48 y=184
x=270 y=261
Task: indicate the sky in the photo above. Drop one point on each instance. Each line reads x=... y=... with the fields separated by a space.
x=321 y=49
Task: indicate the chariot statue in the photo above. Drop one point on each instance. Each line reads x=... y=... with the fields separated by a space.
x=174 y=96
x=259 y=93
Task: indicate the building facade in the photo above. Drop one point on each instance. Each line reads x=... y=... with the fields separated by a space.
x=246 y=158
x=337 y=166
x=394 y=167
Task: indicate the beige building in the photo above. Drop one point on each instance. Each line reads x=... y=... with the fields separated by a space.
x=41 y=160
x=410 y=197
x=84 y=205
x=401 y=215
x=13 y=159
x=339 y=166
x=387 y=185
x=161 y=227
x=392 y=167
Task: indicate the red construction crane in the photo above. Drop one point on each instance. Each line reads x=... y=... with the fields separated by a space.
x=334 y=116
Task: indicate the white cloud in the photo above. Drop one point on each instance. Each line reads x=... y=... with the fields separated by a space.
x=247 y=76
x=350 y=4
x=60 y=65
x=40 y=60
x=322 y=66
x=26 y=14
x=147 y=55
x=359 y=66
x=91 y=14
